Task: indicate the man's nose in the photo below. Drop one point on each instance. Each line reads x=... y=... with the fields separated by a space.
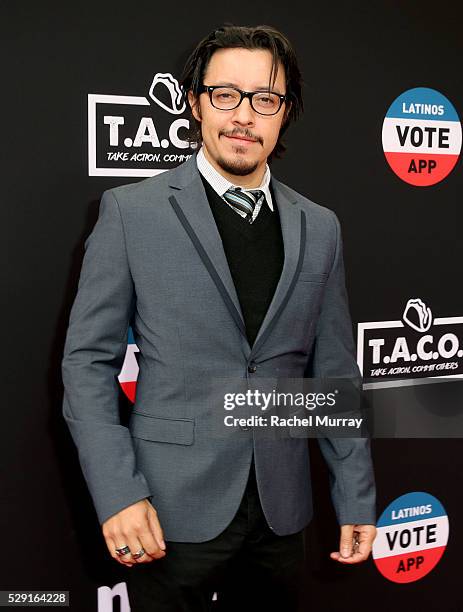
x=244 y=113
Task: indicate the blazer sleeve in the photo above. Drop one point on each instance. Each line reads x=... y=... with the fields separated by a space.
x=349 y=460
x=94 y=351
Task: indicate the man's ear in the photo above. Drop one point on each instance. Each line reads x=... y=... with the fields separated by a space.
x=194 y=104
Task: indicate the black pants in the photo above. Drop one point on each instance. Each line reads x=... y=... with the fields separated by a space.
x=247 y=565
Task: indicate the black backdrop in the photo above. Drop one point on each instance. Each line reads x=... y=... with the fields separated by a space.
x=400 y=241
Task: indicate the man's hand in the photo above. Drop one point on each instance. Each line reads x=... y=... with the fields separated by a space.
x=355 y=543
x=136 y=526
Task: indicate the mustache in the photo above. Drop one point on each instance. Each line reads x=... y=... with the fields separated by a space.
x=244 y=134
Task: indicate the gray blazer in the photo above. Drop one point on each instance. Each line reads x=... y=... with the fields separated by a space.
x=155 y=260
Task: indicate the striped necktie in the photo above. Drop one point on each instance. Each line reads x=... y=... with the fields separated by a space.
x=245 y=202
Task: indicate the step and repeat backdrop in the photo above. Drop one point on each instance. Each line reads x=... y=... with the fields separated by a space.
x=90 y=102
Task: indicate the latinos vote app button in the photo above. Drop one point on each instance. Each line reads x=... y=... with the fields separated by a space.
x=422 y=136
x=412 y=536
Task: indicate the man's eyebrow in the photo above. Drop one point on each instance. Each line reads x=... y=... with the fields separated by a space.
x=256 y=88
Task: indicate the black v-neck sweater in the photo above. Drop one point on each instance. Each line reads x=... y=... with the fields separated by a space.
x=255 y=255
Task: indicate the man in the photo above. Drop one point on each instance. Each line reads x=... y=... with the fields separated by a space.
x=222 y=271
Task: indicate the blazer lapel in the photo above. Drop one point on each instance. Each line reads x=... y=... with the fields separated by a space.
x=190 y=203
x=293 y=229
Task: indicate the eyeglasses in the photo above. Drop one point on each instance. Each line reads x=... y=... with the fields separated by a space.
x=228 y=98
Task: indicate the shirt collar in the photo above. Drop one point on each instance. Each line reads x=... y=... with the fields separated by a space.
x=220 y=184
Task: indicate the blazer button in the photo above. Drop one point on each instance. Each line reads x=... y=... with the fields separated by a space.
x=252 y=367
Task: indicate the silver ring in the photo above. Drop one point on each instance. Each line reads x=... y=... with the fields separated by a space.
x=122 y=551
x=138 y=554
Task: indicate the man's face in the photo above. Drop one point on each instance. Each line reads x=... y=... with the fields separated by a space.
x=239 y=140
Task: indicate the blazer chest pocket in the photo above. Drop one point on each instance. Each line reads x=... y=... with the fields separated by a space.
x=161 y=429
x=313 y=277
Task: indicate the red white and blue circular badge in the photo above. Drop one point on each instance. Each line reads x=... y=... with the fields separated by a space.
x=422 y=136
x=412 y=536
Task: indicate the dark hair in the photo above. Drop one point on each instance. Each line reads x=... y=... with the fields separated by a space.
x=258 y=37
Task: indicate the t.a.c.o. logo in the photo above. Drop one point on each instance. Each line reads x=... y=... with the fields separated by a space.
x=412 y=536
x=422 y=136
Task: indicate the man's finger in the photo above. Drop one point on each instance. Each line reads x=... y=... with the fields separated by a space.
x=133 y=542
x=111 y=544
x=156 y=528
x=356 y=557
x=346 y=542
x=150 y=546
x=365 y=545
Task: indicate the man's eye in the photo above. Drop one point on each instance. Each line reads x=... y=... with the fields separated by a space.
x=265 y=99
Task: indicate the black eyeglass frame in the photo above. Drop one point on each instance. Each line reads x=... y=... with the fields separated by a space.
x=244 y=94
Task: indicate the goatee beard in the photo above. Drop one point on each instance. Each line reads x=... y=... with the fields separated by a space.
x=237 y=167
